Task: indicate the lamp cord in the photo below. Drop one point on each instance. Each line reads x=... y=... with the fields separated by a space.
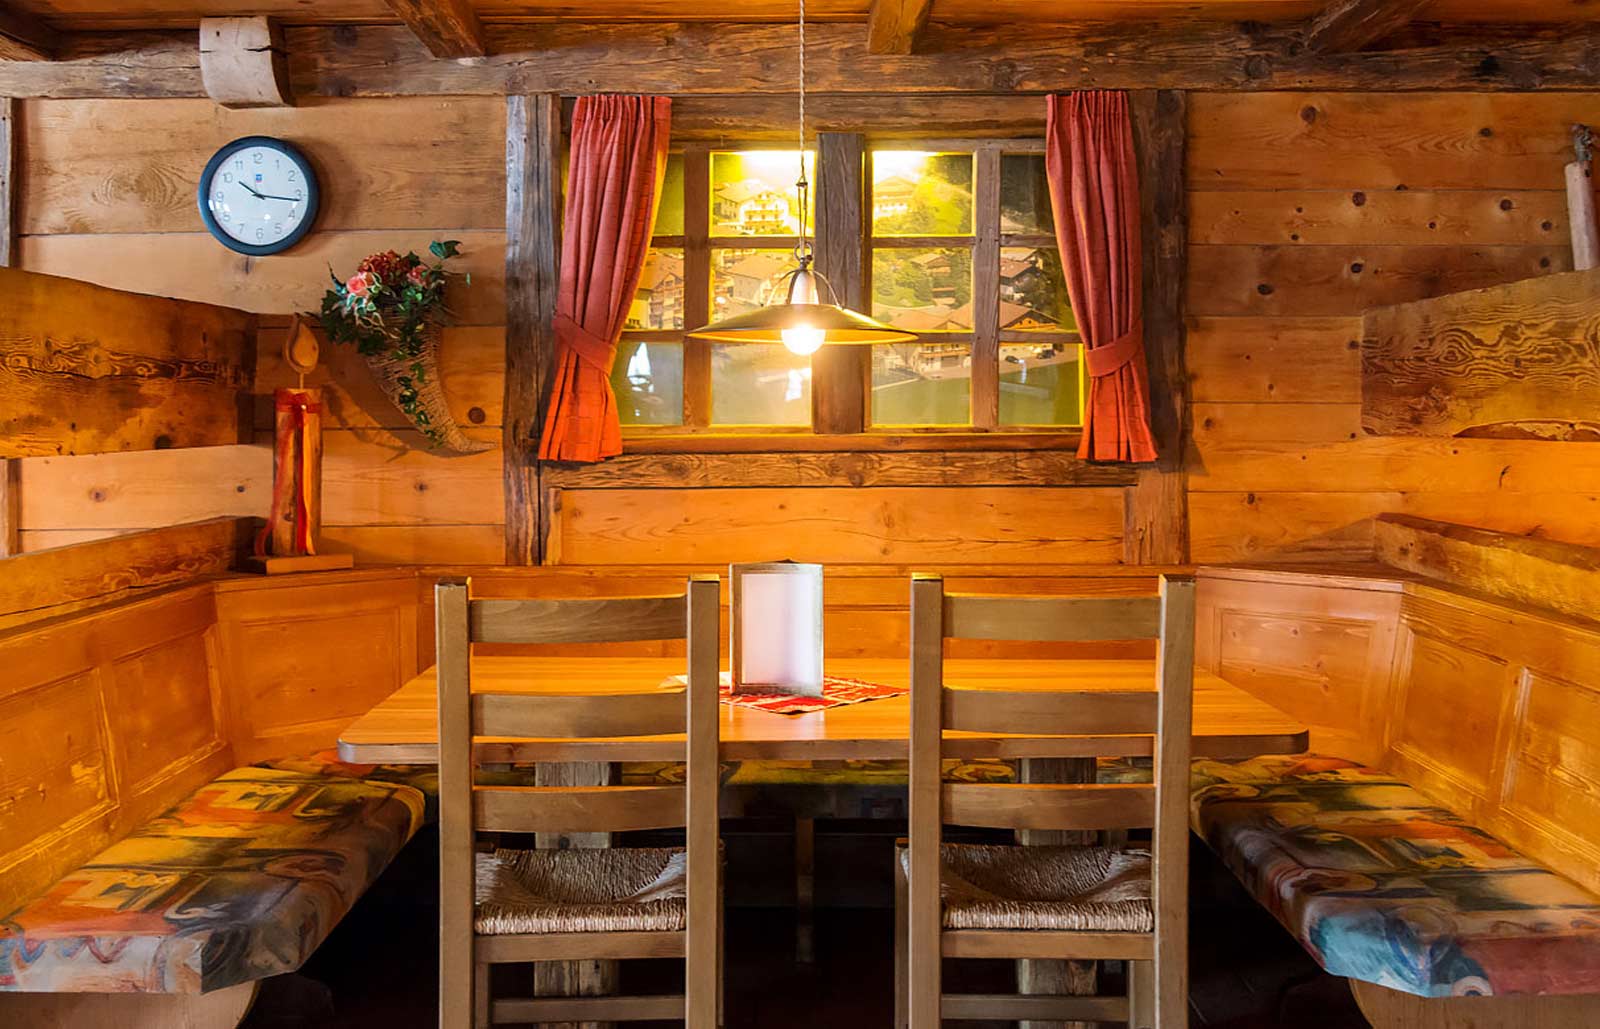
x=802 y=250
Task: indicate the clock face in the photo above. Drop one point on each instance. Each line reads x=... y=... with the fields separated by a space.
x=258 y=195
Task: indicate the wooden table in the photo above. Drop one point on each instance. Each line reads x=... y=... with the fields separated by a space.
x=1228 y=723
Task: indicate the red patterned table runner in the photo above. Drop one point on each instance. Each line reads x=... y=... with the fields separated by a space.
x=836 y=692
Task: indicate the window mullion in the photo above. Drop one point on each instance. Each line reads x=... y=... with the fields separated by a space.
x=986 y=291
x=696 y=284
x=839 y=374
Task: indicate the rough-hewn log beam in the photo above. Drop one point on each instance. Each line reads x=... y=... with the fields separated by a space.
x=242 y=62
x=722 y=59
x=533 y=190
x=1156 y=529
x=24 y=37
x=838 y=374
x=1345 y=26
x=894 y=26
x=448 y=28
x=8 y=160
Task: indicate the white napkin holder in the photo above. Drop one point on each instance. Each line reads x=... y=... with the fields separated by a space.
x=776 y=631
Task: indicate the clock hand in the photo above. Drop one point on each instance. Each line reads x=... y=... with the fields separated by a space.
x=252 y=192
x=268 y=196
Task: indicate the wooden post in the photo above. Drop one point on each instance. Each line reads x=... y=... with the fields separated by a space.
x=839 y=373
x=533 y=195
x=1156 y=526
x=1580 y=203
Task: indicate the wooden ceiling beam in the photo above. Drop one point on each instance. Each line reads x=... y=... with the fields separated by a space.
x=1346 y=26
x=25 y=37
x=448 y=28
x=710 y=59
x=895 y=26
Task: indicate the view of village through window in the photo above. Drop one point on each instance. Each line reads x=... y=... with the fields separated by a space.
x=925 y=277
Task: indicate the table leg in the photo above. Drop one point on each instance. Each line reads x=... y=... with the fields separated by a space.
x=575 y=978
x=1074 y=978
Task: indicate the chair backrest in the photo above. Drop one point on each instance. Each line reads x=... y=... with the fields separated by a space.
x=1165 y=714
x=465 y=715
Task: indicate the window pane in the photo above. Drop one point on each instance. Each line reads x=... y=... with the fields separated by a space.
x=1033 y=291
x=923 y=289
x=669 y=215
x=1024 y=194
x=759 y=384
x=753 y=192
x=658 y=300
x=743 y=280
x=1040 y=384
x=915 y=193
x=648 y=382
x=928 y=382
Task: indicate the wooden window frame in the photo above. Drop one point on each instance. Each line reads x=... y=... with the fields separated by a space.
x=698 y=434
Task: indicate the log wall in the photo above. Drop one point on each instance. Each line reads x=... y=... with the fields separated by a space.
x=108 y=195
x=1304 y=209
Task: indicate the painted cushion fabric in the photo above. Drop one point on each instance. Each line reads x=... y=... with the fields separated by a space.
x=1380 y=884
x=242 y=880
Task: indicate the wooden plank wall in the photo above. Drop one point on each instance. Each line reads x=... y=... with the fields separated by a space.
x=1304 y=208
x=107 y=195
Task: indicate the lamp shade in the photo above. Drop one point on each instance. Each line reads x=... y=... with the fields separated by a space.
x=768 y=325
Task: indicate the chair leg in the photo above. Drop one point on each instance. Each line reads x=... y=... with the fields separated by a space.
x=480 y=995
x=805 y=886
x=901 y=944
x=1141 y=994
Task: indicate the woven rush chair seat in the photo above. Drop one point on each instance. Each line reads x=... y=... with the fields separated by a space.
x=1073 y=889
x=624 y=889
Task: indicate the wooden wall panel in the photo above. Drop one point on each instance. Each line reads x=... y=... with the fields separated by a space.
x=1015 y=525
x=1320 y=652
x=305 y=658
x=1308 y=208
x=106 y=718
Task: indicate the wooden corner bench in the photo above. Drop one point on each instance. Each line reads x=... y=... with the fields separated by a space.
x=1447 y=859
x=147 y=877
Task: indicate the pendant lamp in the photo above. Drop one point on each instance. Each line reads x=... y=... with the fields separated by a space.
x=803 y=322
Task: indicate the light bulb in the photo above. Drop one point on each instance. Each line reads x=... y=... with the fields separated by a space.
x=803 y=339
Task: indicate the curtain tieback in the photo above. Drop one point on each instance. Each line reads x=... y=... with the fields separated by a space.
x=1109 y=359
x=595 y=350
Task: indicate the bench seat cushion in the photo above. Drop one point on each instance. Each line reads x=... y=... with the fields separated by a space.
x=1382 y=885
x=240 y=881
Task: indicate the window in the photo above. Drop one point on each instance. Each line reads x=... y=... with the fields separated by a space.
x=962 y=252
x=724 y=238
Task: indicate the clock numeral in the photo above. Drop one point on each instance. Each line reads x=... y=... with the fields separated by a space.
x=299 y=194
x=238 y=164
x=227 y=176
x=277 y=229
x=261 y=234
x=219 y=197
x=227 y=217
x=292 y=174
x=256 y=158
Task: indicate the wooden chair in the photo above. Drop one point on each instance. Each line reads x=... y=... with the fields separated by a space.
x=1047 y=903
x=577 y=904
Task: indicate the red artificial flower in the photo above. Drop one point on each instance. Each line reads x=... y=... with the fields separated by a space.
x=361 y=283
x=388 y=266
x=418 y=274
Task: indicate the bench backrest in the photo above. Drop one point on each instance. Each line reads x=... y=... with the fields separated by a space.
x=1490 y=707
x=106 y=718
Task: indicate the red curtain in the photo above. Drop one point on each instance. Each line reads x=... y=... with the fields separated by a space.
x=619 y=155
x=1094 y=189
